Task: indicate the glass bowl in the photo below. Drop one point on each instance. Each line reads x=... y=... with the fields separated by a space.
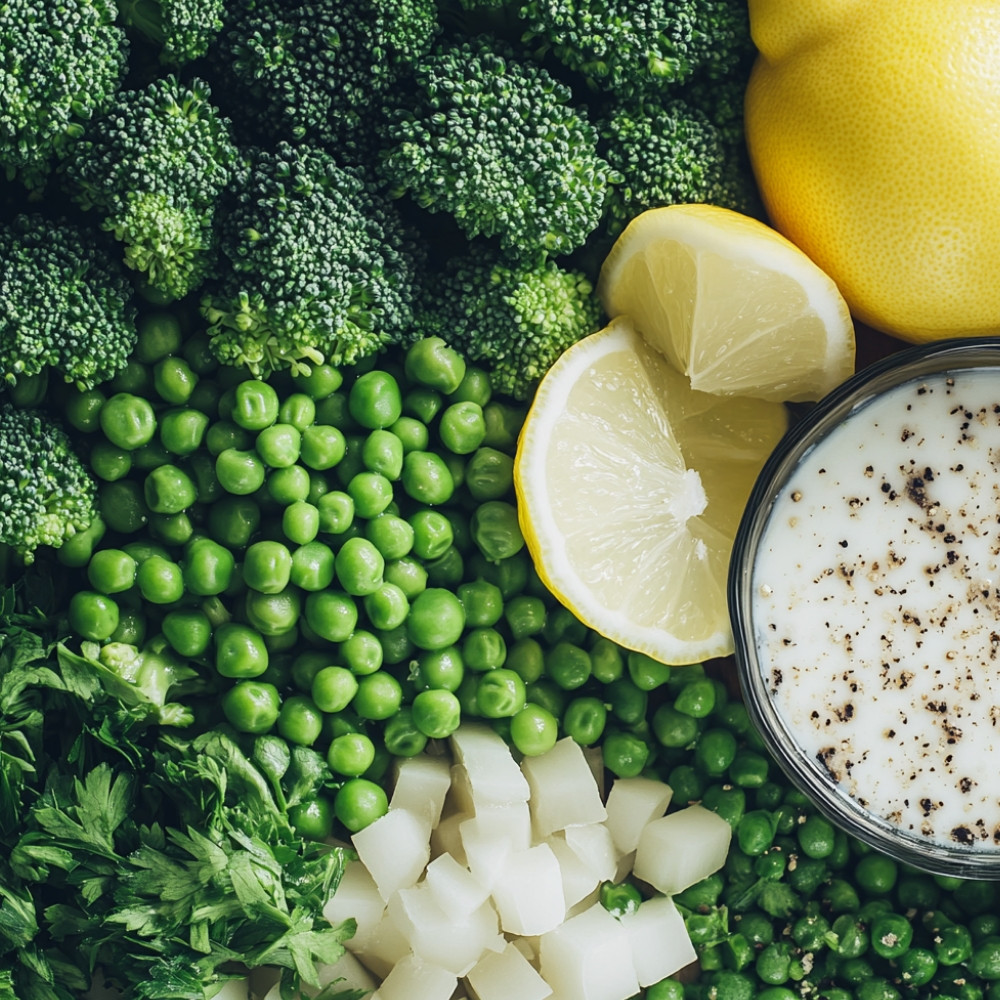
x=864 y=595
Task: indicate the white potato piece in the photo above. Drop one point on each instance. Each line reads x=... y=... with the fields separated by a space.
x=395 y=849
x=492 y=834
x=682 y=848
x=589 y=958
x=347 y=972
x=357 y=898
x=453 y=887
x=446 y=837
x=563 y=790
x=413 y=979
x=594 y=846
x=658 y=939
x=493 y=774
x=507 y=975
x=632 y=803
x=384 y=946
x=422 y=782
x=450 y=940
x=578 y=878
x=528 y=892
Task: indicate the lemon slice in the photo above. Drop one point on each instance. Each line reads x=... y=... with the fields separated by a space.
x=630 y=487
x=730 y=302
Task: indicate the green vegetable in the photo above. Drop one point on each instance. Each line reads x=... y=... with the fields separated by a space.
x=182 y=30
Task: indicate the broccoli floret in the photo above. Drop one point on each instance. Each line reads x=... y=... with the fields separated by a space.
x=46 y=493
x=182 y=30
x=319 y=71
x=154 y=166
x=496 y=142
x=635 y=47
x=60 y=63
x=319 y=267
x=67 y=304
x=515 y=316
x=668 y=153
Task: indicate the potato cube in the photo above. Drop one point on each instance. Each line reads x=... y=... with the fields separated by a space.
x=563 y=790
x=414 y=979
x=632 y=803
x=682 y=848
x=528 y=891
x=589 y=958
x=494 y=777
x=659 y=940
x=490 y=835
x=578 y=878
x=507 y=975
x=453 y=887
x=446 y=837
x=395 y=849
x=422 y=783
x=357 y=898
x=384 y=946
x=593 y=845
x=352 y=975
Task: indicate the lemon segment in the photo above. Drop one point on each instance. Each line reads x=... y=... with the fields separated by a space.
x=730 y=303
x=630 y=487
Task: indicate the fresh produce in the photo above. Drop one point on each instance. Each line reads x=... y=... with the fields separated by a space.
x=873 y=131
x=630 y=486
x=730 y=303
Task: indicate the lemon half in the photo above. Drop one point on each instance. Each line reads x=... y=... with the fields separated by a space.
x=630 y=486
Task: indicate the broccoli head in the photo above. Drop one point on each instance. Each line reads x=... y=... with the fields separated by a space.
x=668 y=153
x=634 y=47
x=181 y=30
x=67 y=303
x=60 y=63
x=46 y=493
x=319 y=267
x=155 y=166
x=318 y=71
x=496 y=142
x=514 y=316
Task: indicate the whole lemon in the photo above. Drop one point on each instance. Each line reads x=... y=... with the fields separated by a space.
x=874 y=132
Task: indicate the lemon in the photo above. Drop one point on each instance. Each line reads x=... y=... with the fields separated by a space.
x=630 y=486
x=730 y=303
x=874 y=132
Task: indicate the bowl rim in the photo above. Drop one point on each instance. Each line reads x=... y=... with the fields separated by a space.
x=896 y=369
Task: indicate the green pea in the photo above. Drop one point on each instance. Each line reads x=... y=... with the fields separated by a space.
x=525 y=615
x=255 y=405
x=331 y=615
x=128 y=421
x=816 y=837
x=728 y=801
x=279 y=445
x=297 y=409
x=267 y=567
x=382 y=453
x=350 y=754
x=189 y=632
x=233 y=521
x=917 y=966
x=500 y=694
x=852 y=936
x=715 y=751
x=322 y=446
x=312 y=566
x=82 y=409
x=92 y=615
x=386 y=607
x=534 y=730
x=625 y=755
x=489 y=474
x=696 y=698
x=402 y=737
x=876 y=873
x=109 y=462
x=240 y=472
x=755 y=832
x=892 y=935
x=475 y=386
x=436 y=619
x=371 y=493
x=436 y=712
x=168 y=490
x=336 y=512
x=360 y=802
x=333 y=688
x=568 y=665
x=361 y=652
x=626 y=702
x=749 y=769
x=158 y=334
x=432 y=363
x=484 y=649
x=374 y=400
x=412 y=433
x=160 y=580
x=407 y=574
x=318 y=382
x=359 y=567
x=312 y=819
x=426 y=478
x=585 y=719
x=174 y=380
x=433 y=533
x=273 y=614
x=496 y=531
x=239 y=651
x=462 y=427
x=111 y=571
x=182 y=431
x=251 y=706
x=674 y=729
x=503 y=425
x=378 y=697
x=439 y=669
x=300 y=522
x=299 y=720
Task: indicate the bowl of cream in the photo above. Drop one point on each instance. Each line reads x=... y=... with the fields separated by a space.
x=864 y=595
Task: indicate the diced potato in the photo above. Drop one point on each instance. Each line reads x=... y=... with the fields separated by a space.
x=682 y=848
x=578 y=878
x=395 y=849
x=413 y=979
x=507 y=975
x=453 y=887
x=452 y=941
x=352 y=975
x=384 y=946
x=422 y=783
x=563 y=790
x=357 y=898
x=589 y=958
x=490 y=835
x=624 y=868
x=494 y=777
x=659 y=940
x=459 y=797
x=528 y=891
x=632 y=803
x=446 y=837
x=593 y=845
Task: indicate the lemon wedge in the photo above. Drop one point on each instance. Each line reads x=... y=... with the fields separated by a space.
x=630 y=487
x=730 y=302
